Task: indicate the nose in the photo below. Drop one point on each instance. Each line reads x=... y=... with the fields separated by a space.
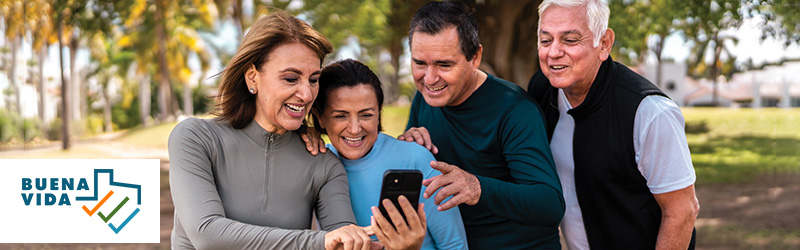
x=354 y=127
x=555 y=50
x=304 y=92
x=431 y=75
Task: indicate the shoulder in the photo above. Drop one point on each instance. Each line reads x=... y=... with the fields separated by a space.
x=507 y=96
x=194 y=127
x=656 y=106
x=394 y=147
x=633 y=82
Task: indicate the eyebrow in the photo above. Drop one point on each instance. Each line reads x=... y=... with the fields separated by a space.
x=564 y=33
x=345 y=111
x=297 y=71
x=436 y=62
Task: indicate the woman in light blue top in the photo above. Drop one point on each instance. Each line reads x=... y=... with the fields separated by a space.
x=348 y=111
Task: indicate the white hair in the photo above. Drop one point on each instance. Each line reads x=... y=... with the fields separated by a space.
x=596 y=12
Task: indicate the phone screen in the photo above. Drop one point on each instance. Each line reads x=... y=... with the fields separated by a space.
x=398 y=182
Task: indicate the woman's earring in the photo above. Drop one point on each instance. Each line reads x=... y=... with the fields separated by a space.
x=252 y=91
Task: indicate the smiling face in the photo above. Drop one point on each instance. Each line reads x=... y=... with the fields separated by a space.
x=285 y=87
x=567 y=55
x=441 y=72
x=351 y=118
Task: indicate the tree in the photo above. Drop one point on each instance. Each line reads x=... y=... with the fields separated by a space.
x=705 y=20
x=109 y=63
x=781 y=19
x=62 y=9
x=509 y=35
x=173 y=24
x=639 y=23
x=14 y=18
x=41 y=29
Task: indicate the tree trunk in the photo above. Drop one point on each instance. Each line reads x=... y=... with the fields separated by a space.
x=395 y=51
x=508 y=33
x=238 y=18
x=75 y=82
x=659 y=51
x=107 y=109
x=164 y=92
x=188 y=109
x=42 y=87
x=12 y=75
x=144 y=101
x=715 y=70
x=66 y=120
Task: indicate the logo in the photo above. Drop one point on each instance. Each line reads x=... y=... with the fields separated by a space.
x=80 y=201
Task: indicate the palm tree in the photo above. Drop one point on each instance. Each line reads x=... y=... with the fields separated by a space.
x=13 y=14
x=109 y=63
x=42 y=32
x=171 y=38
x=708 y=19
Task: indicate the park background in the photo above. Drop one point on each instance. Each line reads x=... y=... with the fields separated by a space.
x=97 y=79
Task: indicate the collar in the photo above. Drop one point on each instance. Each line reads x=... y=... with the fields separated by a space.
x=264 y=138
x=597 y=92
x=469 y=104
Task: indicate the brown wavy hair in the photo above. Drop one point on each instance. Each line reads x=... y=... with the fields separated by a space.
x=235 y=104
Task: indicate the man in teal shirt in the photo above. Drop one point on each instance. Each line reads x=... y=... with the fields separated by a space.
x=502 y=173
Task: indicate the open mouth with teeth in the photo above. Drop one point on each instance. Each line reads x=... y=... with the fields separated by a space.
x=558 y=67
x=436 y=89
x=353 y=141
x=295 y=110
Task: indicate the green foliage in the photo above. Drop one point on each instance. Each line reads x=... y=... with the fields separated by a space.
x=781 y=19
x=9 y=126
x=16 y=130
x=125 y=114
x=638 y=21
x=53 y=130
x=201 y=102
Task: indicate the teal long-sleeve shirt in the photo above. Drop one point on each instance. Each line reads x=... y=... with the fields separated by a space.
x=498 y=135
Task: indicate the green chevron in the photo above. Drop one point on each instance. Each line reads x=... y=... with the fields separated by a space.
x=105 y=219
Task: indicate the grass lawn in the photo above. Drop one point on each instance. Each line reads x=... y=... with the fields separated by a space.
x=736 y=145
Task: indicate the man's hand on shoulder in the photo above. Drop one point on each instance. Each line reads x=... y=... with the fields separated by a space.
x=463 y=186
x=421 y=136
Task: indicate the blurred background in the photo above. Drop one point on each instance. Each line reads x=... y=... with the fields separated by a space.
x=110 y=79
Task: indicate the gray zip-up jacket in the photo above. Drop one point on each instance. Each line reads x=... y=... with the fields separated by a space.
x=251 y=189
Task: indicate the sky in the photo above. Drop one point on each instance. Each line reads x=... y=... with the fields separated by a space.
x=749 y=46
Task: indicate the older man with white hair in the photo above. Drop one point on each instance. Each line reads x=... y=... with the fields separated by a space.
x=618 y=142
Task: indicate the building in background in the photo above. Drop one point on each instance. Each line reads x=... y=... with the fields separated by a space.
x=773 y=86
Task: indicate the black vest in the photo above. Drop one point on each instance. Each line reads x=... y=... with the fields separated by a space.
x=619 y=212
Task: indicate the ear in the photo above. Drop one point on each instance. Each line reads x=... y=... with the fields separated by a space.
x=476 y=60
x=250 y=77
x=605 y=44
x=321 y=119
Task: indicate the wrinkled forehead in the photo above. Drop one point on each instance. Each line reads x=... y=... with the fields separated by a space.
x=557 y=19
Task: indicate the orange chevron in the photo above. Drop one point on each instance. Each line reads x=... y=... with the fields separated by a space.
x=90 y=213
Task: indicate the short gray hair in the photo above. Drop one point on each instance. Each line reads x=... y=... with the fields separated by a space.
x=597 y=14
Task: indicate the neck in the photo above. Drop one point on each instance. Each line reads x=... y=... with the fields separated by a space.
x=268 y=126
x=576 y=93
x=479 y=78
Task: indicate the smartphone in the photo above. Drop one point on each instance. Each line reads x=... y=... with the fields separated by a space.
x=398 y=182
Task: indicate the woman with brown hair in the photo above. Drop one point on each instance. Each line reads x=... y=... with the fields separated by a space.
x=244 y=180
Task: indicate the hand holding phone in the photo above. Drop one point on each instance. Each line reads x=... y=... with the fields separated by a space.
x=398 y=182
